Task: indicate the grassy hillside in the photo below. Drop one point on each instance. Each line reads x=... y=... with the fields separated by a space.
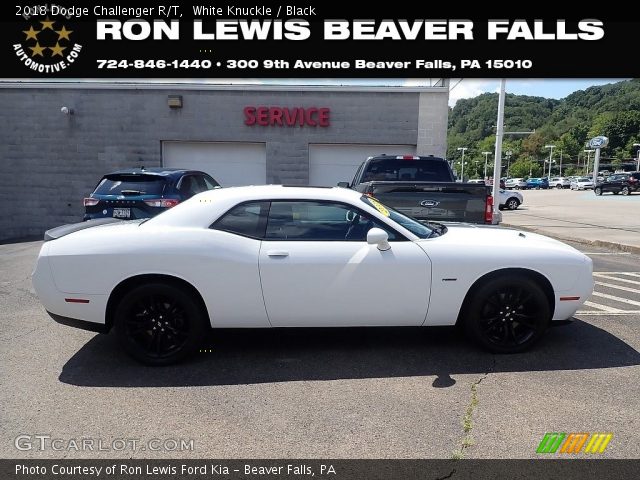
x=612 y=110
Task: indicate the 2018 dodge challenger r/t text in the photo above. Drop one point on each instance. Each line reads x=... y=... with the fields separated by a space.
x=278 y=256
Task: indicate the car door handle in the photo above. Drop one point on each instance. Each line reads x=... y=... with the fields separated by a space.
x=274 y=253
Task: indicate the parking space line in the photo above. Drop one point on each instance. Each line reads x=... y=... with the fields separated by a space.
x=632 y=274
x=617 y=299
x=592 y=313
x=611 y=277
x=619 y=287
x=604 y=308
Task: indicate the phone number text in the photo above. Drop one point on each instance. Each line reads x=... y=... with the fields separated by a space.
x=160 y=64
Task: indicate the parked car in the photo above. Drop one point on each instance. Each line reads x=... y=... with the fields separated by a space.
x=278 y=256
x=510 y=200
x=582 y=183
x=537 y=183
x=144 y=192
x=559 y=182
x=515 y=183
x=623 y=183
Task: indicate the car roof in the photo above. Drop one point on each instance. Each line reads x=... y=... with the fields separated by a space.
x=279 y=192
x=200 y=208
x=158 y=171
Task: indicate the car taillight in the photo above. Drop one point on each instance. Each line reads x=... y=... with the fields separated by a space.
x=90 y=202
x=488 y=210
x=162 y=203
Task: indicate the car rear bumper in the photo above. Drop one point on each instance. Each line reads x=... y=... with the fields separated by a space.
x=81 y=324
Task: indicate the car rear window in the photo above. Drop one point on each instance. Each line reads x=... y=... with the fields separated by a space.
x=130 y=184
x=393 y=169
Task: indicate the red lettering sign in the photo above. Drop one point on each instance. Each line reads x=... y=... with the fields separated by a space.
x=287 y=117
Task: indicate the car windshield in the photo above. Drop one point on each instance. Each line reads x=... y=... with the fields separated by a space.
x=130 y=184
x=418 y=229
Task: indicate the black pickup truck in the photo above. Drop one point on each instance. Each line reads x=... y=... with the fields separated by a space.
x=423 y=188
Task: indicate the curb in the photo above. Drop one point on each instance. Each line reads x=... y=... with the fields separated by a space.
x=595 y=243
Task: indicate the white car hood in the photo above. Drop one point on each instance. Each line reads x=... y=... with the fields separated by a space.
x=491 y=236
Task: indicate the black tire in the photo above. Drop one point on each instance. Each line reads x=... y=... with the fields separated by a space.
x=625 y=191
x=517 y=187
x=159 y=324
x=559 y=186
x=507 y=314
x=597 y=191
x=512 y=203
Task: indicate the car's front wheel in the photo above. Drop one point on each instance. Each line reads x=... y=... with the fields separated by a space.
x=625 y=191
x=159 y=324
x=597 y=191
x=507 y=315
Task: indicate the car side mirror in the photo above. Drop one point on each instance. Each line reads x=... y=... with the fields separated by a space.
x=377 y=236
x=343 y=184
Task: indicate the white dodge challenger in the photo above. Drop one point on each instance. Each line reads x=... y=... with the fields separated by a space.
x=278 y=256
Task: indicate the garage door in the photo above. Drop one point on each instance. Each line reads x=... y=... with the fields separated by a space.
x=330 y=164
x=231 y=164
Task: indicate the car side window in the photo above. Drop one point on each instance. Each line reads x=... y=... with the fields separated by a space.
x=248 y=220
x=188 y=186
x=210 y=182
x=320 y=221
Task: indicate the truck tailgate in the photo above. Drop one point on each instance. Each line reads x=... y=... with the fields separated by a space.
x=438 y=201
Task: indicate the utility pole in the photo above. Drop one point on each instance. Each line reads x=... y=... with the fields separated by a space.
x=497 y=166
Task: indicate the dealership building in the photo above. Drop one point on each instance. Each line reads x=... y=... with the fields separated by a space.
x=58 y=139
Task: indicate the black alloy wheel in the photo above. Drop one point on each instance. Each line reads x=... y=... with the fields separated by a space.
x=159 y=324
x=597 y=191
x=625 y=191
x=507 y=314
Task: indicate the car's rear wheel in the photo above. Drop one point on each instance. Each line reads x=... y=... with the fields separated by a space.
x=507 y=315
x=597 y=191
x=625 y=191
x=559 y=186
x=512 y=203
x=159 y=324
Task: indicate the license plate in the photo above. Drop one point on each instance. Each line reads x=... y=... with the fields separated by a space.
x=122 y=213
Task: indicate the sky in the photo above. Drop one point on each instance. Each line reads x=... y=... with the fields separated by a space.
x=539 y=87
x=466 y=88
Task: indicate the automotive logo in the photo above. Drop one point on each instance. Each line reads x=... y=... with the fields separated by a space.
x=598 y=142
x=574 y=443
x=47 y=46
x=429 y=203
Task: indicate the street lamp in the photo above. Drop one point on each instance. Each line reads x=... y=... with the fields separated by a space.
x=550 y=147
x=509 y=153
x=588 y=152
x=464 y=149
x=637 y=155
x=486 y=156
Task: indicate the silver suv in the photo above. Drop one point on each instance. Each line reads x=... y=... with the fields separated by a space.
x=559 y=182
x=515 y=183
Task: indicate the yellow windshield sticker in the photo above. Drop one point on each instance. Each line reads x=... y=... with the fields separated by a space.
x=378 y=206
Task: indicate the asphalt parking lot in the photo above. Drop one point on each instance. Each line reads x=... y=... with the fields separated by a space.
x=365 y=393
